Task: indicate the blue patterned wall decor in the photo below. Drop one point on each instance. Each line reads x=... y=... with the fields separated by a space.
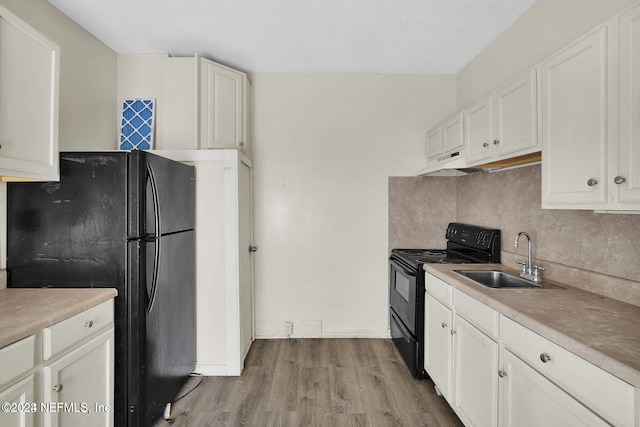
x=136 y=131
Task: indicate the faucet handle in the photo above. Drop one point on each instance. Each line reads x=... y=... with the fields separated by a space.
x=536 y=272
x=523 y=264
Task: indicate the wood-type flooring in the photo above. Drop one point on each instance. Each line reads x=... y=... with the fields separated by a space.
x=315 y=382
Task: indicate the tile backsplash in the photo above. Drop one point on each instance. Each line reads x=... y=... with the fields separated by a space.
x=595 y=252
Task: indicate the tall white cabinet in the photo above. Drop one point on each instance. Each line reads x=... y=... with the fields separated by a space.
x=224 y=258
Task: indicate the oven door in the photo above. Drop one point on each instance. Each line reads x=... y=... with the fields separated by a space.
x=402 y=293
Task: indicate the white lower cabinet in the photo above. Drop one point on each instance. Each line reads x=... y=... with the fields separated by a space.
x=594 y=388
x=460 y=356
x=529 y=399
x=476 y=383
x=79 y=385
x=19 y=396
x=437 y=358
x=63 y=375
x=495 y=372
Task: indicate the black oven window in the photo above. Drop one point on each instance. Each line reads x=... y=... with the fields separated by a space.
x=402 y=286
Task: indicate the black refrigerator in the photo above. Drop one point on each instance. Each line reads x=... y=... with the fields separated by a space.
x=123 y=220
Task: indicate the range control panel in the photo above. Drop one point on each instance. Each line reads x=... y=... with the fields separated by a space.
x=472 y=235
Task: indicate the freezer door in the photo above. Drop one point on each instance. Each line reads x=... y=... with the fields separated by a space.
x=170 y=196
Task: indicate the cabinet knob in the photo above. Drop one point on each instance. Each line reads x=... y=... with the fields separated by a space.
x=57 y=388
x=89 y=324
x=444 y=325
x=502 y=373
x=486 y=144
x=496 y=142
x=453 y=332
x=545 y=357
x=618 y=179
x=592 y=182
x=253 y=248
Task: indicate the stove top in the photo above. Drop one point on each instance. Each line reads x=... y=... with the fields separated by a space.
x=428 y=256
x=465 y=244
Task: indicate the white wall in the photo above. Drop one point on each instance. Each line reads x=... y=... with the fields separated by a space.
x=545 y=28
x=324 y=147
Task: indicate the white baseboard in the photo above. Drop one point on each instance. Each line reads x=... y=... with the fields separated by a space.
x=215 y=371
x=312 y=329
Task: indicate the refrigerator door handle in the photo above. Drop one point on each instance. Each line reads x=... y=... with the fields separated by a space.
x=156 y=239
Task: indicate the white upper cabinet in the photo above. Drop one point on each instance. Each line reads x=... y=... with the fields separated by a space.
x=625 y=167
x=434 y=142
x=591 y=120
x=517 y=116
x=29 y=80
x=446 y=138
x=221 y=106
x=453 y=134
x=200 y=104
x=445 y=145
x=505 y=124
x=478 y=121
x=575 y=95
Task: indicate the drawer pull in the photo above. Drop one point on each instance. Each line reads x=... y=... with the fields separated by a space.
x=89 y=324
x=502 y=373
x=544 y=357
x=57 y=388
x=444 y=325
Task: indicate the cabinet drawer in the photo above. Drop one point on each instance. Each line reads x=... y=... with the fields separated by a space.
x=75 y=329
x=438 y=289
x=484 y=318
x=17 y=359
x=603 y=393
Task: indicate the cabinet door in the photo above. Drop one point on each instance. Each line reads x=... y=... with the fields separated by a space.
x=245 y=272
x=453 y=134
x=627 y=178
x=479 y=132
x=529 y=399
x=20 y=394
x=437 y=358
x=475 y=373
x=220 y=106
x=82 y=380
x=574 y=124
x=434 y=142
x=29 y=76
x=517 y=116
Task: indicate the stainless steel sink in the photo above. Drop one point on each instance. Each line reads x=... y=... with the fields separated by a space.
x=500 y=279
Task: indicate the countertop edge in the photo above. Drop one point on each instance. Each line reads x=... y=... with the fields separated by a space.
x=562 y=337
x=24 y=312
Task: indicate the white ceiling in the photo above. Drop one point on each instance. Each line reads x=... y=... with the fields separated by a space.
x=364 y=36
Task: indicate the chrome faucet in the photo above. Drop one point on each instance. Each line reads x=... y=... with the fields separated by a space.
x=529 y=271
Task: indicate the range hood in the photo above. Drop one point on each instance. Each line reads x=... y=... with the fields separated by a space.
x=455 y=165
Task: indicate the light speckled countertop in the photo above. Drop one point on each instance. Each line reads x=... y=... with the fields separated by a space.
x=601 y=330
x=24 y=312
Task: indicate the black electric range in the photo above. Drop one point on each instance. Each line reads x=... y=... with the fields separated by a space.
x=465 y=244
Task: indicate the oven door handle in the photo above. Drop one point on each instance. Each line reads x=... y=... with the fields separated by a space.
x=405 y=271
x=403 y=329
